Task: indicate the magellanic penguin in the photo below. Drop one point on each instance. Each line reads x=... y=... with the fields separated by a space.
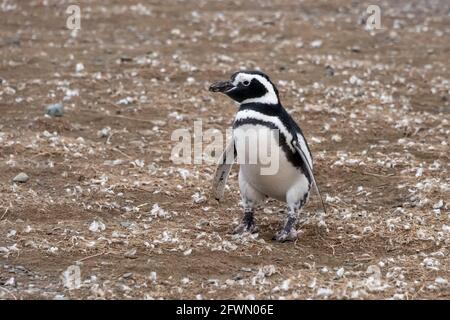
x=262 y=127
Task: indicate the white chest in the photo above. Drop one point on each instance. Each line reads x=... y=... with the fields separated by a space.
x=263 y=163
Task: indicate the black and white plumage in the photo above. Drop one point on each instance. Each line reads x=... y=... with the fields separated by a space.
x=260 y=110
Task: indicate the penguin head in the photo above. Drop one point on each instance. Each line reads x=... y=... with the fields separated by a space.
x=248 y=87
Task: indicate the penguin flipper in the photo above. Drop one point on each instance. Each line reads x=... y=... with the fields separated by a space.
x=224 y=166
x=309 y=171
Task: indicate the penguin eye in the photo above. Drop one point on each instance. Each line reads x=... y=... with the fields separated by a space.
x=246 y=83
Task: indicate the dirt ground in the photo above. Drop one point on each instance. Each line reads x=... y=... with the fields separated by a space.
x=104 y=198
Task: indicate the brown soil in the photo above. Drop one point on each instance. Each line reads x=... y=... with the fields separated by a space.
x=382 y=116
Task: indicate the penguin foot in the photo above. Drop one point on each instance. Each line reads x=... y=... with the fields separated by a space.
x=247 y=224
x=246 y=227
x=283 y=235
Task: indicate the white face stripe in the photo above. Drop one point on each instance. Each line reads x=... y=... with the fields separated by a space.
x=270 y=97
x=252 y=114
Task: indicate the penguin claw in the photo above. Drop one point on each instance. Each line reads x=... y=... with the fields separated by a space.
x=242 y=228
x=283 y=235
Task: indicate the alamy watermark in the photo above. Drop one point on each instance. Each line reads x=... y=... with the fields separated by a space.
x=373 y=20
x=253 y=146
x=73 y=21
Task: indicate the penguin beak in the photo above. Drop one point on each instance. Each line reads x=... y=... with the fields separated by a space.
x=221 y=86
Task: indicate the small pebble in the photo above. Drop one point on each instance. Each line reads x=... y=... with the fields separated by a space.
x=21 y=177
x=329 y=71
x=316 y=44
x=79 y=67
x=55 y=110
x=125 y=224
x=105 y=132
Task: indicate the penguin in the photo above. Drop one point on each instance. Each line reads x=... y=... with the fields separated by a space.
x=263 y=127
